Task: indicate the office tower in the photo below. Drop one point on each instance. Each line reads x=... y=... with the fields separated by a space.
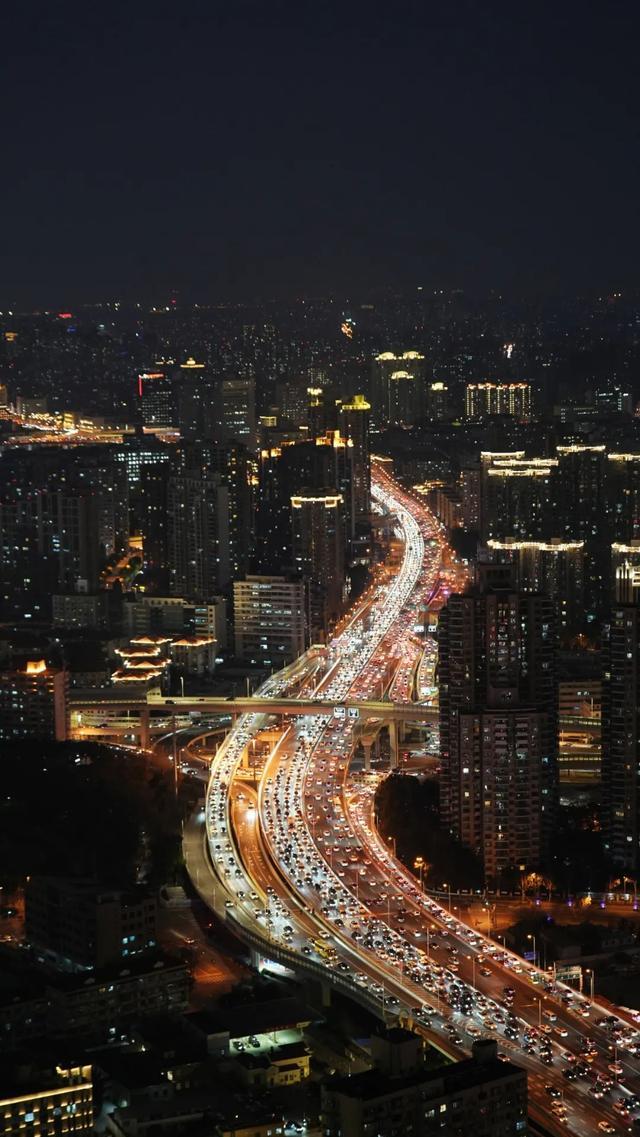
x=197 y=534
x=510 y=399
x=318 y=544
x=625 y=572
x=156 y=396
x=271 y=619
x=621 y=736
x=438 y=407
x=580 y=510
x=354 y=427
x=4 y=396
x=33 y=701
x=498 y=720
x=518 y=497
x=398 y=385
x=238 y=411
x=481 y=1095
x=140 y=450
x=78 y=926
x=623 y=495
x=555 y=567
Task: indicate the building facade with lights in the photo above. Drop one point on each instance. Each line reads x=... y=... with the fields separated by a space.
x=498 y=720
x=34 y=702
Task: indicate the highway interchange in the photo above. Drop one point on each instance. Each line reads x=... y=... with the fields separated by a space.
x=301 y=868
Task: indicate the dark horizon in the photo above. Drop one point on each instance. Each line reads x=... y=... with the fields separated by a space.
x=232 y=151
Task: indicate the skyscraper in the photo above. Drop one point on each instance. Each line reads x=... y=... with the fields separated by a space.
x=518 y=498
x=580 y=512
x=398 y=388
x=555 y=567
x=498 y=720
x=238 y=418
x=198 y=534
x=623 y=495
x=157 y=398
x=354 y=426
x=621 y=736
x=317 y=521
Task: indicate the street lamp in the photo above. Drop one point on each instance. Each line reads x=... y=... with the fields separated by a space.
x=448 y=888
x=419 y=864
x=531 y=937
x=592 y=976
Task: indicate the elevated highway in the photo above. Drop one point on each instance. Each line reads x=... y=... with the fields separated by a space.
x=305 y=870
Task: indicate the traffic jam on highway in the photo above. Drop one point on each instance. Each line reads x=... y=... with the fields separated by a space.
x=309 y=871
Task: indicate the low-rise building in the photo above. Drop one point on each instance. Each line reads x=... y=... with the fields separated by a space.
x=41 y=1100
x=481 y=1095
x=80 y=926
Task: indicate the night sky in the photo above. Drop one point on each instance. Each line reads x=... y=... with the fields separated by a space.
x=260 y=148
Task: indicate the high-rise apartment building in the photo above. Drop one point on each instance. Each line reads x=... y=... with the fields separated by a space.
x=438 y=401
x=62 y=513
x=510 y=399
x=33 y=701
x=271 y=619
x=580 y=513
x=623 y=495
x=621 y=736
x=625 y=572
x=198 y=402
x=197 y=534
x=517 y=497
x=398 y=388
x=498 y=720
x=318 y=543
x=354 y=427
x=555 y=567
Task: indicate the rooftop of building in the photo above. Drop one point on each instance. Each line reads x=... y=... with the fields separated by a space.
x=444 y=1080
x=254 y=1018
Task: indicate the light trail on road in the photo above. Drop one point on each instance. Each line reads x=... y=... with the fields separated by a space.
x=336 y=897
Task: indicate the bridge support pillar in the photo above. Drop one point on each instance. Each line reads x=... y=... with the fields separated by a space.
x=393 y=745
x=144 y=728
x=325 y=989
x=366 y=746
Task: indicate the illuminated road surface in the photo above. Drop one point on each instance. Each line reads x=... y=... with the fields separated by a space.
x=304 y=865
